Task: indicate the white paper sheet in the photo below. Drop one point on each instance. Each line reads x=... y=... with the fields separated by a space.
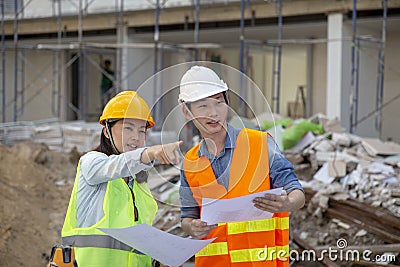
x=238 y=209
x=168 y=249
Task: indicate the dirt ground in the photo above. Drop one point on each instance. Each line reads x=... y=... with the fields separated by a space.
x=35 y=185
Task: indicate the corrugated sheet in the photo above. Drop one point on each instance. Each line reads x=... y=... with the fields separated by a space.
x=11 y=5
x=49 y=8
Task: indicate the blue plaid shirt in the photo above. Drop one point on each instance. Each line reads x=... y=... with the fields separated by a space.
x=281 y=172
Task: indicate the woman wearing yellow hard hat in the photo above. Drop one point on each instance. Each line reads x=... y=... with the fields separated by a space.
x=110 y=189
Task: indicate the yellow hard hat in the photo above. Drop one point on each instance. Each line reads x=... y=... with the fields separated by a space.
x=127 y=105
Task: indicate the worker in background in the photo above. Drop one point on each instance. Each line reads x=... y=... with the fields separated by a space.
x=107 y=77
x=230 y=163
x=110 y=189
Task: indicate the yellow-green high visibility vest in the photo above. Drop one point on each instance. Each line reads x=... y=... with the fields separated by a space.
x=93 y=248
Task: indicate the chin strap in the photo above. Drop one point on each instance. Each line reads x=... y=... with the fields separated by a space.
x=108 y=129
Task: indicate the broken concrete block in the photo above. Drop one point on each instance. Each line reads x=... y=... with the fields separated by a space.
x=377 y=177
x=393 y=160
x=362 y=232
x=376 y=203
x=333 y=189
x=321 y=200
x=380 y=168
x=326 y=156
x=341 y=224
x=323 y=176
x=395 y=192
x=341 y=196
x=342 y=139
x=325 y=146
x=336 y=168
x=376 y=147
x=332 y=126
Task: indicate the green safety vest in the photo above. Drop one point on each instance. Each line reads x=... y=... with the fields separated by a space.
x=93 y=248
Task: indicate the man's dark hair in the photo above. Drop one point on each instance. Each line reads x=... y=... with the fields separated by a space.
x=188 y=104
x=107 y=62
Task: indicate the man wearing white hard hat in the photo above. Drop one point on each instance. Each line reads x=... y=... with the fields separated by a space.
x=230 y=163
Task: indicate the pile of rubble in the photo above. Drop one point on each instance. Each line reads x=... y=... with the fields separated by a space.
x=58 y=136
x=66 y=136
x=347 y=166
x=352 y=189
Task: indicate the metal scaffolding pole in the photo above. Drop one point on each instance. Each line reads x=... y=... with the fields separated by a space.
x=241 y=55
x=15 y=115
x=197 y=29
x=59 y=59
x=56 y=73
x=276 y=91
x=120 y=50
x=22 y=91
x=354 y=120
x=156 y=52
x=81 y=114
x=354 y=71
x=276 y=60
x=381 y=71
x=3 y=64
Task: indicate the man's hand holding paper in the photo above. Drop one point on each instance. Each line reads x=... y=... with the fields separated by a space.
x=241 y=208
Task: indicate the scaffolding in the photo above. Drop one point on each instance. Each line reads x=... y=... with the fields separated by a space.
x=82 y=58
x=357 y=42
x=245 y=45
x=82 y=52
x=355 y=71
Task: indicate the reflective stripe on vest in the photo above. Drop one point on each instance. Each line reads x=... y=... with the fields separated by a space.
x=243 y=255
x=219 y=248
x=259 y=225
x=97 y=241
x=260 y=254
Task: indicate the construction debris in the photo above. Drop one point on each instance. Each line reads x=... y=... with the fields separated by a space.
x=58 y=136
x=343 y=165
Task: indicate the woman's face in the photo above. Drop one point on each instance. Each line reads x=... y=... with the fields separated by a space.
x=129 y=134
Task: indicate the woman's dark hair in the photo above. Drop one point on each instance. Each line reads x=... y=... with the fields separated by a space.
x=105 y=143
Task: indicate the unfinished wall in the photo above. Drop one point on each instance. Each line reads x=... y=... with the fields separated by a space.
x=368 y=74
x=318 y=104
x=391 y=119
x=39 y=77
x=293 y=71
x=294 y=74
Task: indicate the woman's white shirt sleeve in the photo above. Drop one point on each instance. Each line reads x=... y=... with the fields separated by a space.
x=97 y=168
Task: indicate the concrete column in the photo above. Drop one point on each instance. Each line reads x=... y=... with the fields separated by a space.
x=122 y=55
x=334 y=65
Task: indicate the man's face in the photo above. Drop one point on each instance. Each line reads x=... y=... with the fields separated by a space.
x=129 y=134
x=210 y=112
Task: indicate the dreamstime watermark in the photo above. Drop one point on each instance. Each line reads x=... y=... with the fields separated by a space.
x=340 y=253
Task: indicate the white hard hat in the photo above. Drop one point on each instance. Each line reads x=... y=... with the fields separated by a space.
x=200 y=82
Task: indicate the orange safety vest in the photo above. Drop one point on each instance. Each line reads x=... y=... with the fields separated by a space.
x=252 y=243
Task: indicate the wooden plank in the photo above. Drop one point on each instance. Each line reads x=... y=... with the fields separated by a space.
x=303 y=244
